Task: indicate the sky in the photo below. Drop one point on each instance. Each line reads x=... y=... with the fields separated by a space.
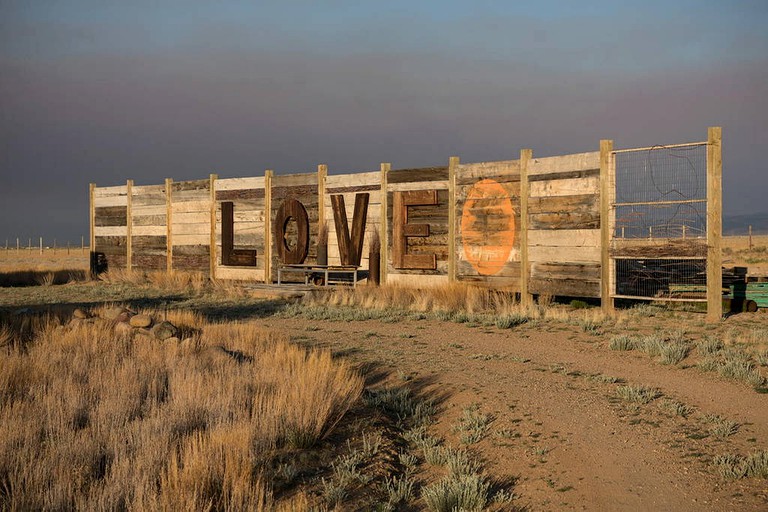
x=102 y=91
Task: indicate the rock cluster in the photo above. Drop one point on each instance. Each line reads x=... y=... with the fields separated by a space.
x=128 y=322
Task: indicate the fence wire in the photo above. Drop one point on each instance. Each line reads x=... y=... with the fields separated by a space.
x=662 y=279
x=661 y=196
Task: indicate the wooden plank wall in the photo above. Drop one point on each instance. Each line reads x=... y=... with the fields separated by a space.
x=248 y=196
x=484 y=245
x=191 y=225
x=149 y=243
x=304 y=188
x=563 y=214
x=111 y=224
x=422 y=179
x=488 y=238
x=564 y=225
x=348 y=185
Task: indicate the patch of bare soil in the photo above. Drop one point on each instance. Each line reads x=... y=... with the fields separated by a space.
x=558 y=427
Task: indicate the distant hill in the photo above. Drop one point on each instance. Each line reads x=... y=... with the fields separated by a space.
x=739 y=224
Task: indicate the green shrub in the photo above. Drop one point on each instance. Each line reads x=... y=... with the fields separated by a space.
x=455 y=493
x=676 y=408
x=709 y=346
x=651 y=345
x=623 y=342
x=732 y=467
x=673 y=352
x=511 y=320
x=636 y=394
x=579 y=304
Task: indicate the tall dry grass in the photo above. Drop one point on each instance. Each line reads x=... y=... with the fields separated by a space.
x=20 y=278
x=29 y=268
x=181 y=281
x=90 y=420
x=176 y=280
x=450 y=299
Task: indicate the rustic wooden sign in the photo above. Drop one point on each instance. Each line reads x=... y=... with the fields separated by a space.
x=488 y=227
x=229 y=255
x=292 y=210
x=403 y=229
x=350 y=247
x=536 y=225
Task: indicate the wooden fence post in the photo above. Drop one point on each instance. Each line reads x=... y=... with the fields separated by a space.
x=92 y=215
x=384 y=228
x=168 y=225
x=525 y=271
x=606 y=195
x=268 y=226
x=322 y=174
x=129 y=225
x=714 y=224
x=453 y=163
x=212 y=248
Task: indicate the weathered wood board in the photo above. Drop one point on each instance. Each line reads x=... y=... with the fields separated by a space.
x=248 y=198
x=348 y=186
x=488 y=223
x=564 y=225
x=149 y=241
x=191 y=225
x=426 y=226
x=303 y=188
x=110 y=226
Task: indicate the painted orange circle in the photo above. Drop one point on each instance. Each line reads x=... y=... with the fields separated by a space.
x=487 y=227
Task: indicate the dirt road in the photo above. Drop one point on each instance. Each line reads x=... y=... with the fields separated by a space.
x=558 y=427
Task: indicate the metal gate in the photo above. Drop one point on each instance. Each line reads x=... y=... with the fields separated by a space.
x=659 y=223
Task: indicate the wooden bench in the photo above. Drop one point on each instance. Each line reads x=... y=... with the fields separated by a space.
x=331 y=274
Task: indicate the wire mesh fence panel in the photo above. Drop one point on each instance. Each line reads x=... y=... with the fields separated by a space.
x=662 y=279
x=659 y=222
x=680 y=220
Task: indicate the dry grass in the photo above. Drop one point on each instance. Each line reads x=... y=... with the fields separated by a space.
x=176 y=281
x=89 y=420
x=30 y=268
x=451 y=298
x=736 y=252
x=172 y=281
x=15 y=278
x=456 y=302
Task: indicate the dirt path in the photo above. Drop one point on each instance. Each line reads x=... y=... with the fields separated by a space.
x=558 y=429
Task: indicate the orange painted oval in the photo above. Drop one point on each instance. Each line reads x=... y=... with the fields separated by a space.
x=487 y=227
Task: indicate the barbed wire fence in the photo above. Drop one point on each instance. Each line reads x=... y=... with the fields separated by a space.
x=41 y=245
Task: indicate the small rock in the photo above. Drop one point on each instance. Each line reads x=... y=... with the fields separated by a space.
x=164 y=330
x=80 y=314
x=141 y=321
x=172 y=339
